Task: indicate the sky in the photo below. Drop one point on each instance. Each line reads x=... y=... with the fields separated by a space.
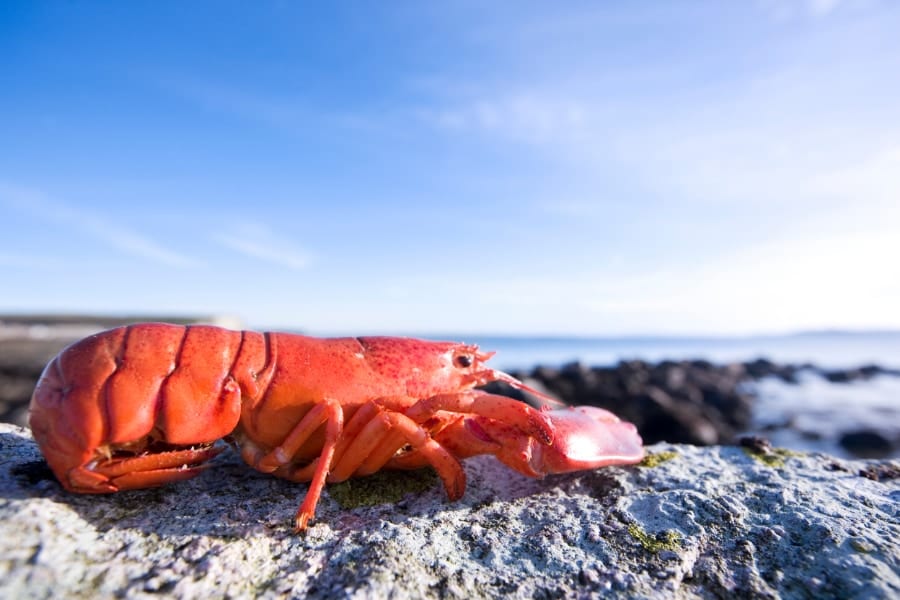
x=578 y=168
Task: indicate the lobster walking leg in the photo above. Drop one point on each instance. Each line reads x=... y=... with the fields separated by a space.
x=361 y=417
x=154 y=469
x=386 y=449
x=379 y=428
x=331 y=414
x=328 y=411
x=352 y=428
x=524 y=420
x=333 y=428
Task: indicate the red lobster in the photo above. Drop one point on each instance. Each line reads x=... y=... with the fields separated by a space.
x=143 y=405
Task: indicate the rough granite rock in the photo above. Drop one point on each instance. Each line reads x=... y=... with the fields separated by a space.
x=690 y=522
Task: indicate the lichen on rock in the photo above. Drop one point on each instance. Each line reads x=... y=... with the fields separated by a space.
x=384 y=487
x=774 y=458
x=654 y=459
x=666 y=540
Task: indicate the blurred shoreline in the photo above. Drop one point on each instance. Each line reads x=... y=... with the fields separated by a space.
x=76 y=326
x=29 y=342
x=834 y=392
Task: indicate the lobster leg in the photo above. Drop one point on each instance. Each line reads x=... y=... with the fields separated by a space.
x=522 y=421
x=531 y=422
x=331 y=414
x=361 y=417
x=332 y=433
x=386 y=449
x=329 y=411
x=150 y=470
x=350 y=430
x=366 y=433
x=380 y=429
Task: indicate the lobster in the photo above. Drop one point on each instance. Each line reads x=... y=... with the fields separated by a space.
x=143 y=405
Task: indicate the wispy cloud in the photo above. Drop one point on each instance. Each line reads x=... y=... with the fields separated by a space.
x=100 y=228
x=874 y=178
x=523 y=116
x=786 y=10
x=821 y=7
x=259 y=241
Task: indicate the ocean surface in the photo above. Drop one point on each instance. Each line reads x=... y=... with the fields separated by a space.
x=813 y=415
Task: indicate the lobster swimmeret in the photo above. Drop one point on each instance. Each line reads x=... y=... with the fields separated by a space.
x=143 y=405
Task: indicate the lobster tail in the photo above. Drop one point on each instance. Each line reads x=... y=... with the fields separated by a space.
x=66 y=417
x=135 y=390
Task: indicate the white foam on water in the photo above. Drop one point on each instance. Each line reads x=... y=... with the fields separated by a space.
x=812 y=414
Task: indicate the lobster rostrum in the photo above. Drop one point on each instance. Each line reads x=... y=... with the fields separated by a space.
x=143 y=405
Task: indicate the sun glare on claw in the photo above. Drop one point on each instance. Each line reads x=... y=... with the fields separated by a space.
x=581 y=447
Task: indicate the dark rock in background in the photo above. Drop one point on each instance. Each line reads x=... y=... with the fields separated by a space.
x=21 y=362
x=867 y=444
x=693 y=402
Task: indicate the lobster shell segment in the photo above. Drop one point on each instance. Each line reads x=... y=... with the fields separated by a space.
x=130 y=387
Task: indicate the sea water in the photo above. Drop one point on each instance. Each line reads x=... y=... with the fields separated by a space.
x=813 y=414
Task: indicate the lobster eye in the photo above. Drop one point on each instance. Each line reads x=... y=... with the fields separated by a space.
x=463 y=361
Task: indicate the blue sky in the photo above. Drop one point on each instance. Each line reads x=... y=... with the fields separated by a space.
x=409 y=167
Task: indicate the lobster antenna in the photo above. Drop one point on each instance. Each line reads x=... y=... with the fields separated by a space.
x=547 y=402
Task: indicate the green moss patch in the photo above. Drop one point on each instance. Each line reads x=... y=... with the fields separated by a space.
x=384 y=487
x=772 y=458
x=669 y=540
x=656 y=459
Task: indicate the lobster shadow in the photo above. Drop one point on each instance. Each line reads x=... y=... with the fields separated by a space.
x=22 y=468
x=232 y=500
x=227 y=500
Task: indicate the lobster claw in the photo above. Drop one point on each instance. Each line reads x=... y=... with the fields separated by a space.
x=585 y=437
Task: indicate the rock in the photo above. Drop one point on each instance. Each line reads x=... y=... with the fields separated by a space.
x=757 y=445
x=664 y=418
x=881 y=472
x=691 y=522
x=21 y=364
x=862 y=373
x=692 y=402
x=866 y=443
x=762 y=367
x=15 y=393
x=842 y=375
x=697 y=402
